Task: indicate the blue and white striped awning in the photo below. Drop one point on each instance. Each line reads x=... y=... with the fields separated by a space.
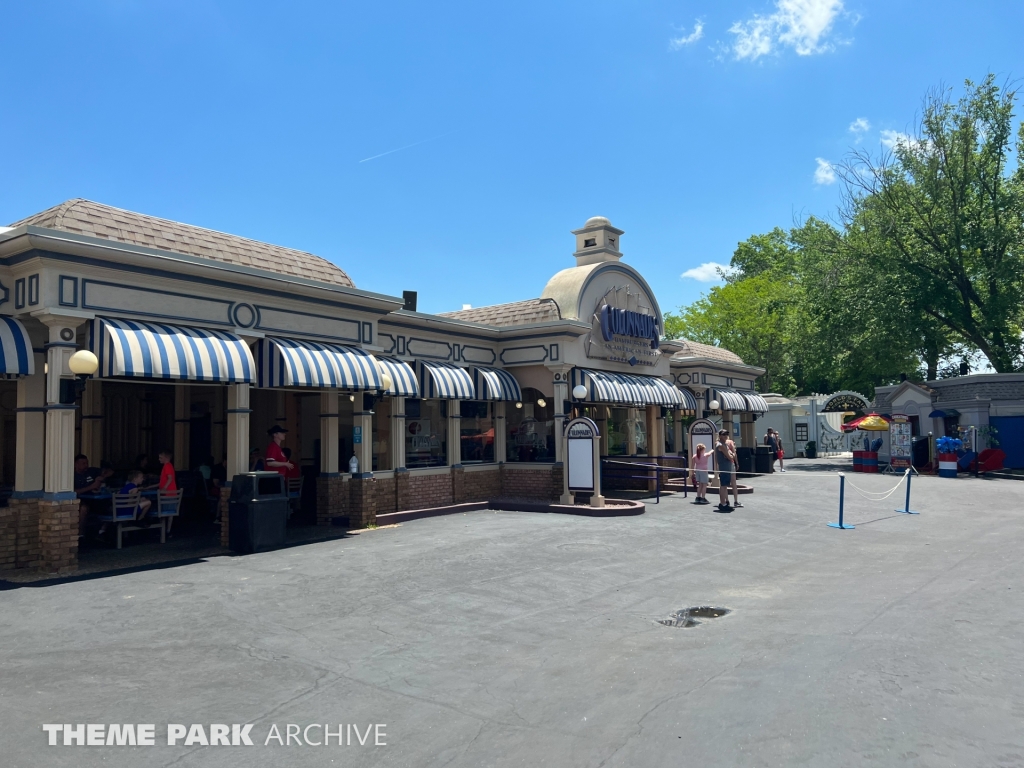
x=295 y=363
x=730 y=400
x=755 y=403
x=157 y=351
x=444 y=381
x=16 y=358
x=403 y=377
x=630 y=389
x=496 y=384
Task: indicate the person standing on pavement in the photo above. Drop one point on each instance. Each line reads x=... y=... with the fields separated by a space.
x=725 y=461
x=700 y=474
x=735 y=477
x=773 y=445
x=274 y=458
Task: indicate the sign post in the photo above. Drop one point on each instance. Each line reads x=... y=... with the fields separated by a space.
x=901 y=443
x=582 y=461
x=704 y=431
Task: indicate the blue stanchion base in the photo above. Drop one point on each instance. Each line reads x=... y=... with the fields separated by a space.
x=908 y=512
x=844 y=526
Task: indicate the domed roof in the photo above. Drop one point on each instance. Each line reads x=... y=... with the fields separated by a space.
x=85 y=217
x=597 y=221
x=706 y=351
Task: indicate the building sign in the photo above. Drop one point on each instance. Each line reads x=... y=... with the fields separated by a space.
x=625 y=329
x=845 y=401
x=704 y=431
x=901 y=442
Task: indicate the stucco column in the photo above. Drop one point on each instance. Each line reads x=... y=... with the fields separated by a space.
x=631 y=418
x=362 y=428
x=92 y=421
x=454 y=433
x=561 y=394
x=182 y=425
x=238 y=429
x=398 y=432
x=500 y=433
x=747 y=438
x=31 y=427
x=59 y=507
x=677 y=432
x=218 y=431
x=330 y=461
x=655 y=446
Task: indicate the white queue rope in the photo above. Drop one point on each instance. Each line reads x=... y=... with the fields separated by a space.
x=879 y=495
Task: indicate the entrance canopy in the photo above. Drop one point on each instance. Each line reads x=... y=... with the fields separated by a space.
x=731 y=400
x=445 y=381
x=496 y=384
x=630 y=389
x=755 y=403
x=295 y=363
x=16 y=357
x=136 y=349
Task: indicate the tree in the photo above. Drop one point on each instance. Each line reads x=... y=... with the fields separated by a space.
x=948 y=210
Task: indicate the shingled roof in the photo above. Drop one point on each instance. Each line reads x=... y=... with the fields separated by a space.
x=706 y=351
x=515 y=313
x=84 y=217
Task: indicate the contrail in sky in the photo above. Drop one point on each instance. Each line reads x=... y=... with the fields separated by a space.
x=407 y=146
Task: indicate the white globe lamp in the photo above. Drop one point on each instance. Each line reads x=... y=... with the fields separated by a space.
x=83 y=363
x=714 y=405
x=541 y=402
x=579 y=391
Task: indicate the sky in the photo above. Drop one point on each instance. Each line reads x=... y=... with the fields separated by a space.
x=449 y=148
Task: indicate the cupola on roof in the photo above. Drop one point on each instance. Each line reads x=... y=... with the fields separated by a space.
x=84 y=217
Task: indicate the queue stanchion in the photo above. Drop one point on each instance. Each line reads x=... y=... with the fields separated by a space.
x=906 y=507
x=842 y=490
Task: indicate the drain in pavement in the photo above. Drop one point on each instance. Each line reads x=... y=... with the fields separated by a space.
x=687 y=617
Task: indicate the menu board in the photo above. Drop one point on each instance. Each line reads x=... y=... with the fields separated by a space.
x=901 y=442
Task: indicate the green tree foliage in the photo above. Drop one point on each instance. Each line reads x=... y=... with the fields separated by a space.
x=947 y=206
x=928 y=262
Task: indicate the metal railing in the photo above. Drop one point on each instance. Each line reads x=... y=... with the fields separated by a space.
x=655 y=469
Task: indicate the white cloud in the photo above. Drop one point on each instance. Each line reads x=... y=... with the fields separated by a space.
x=681 y=42
x=860 y=125
x=803 y=25
x=708 y=272
x=824 y=173
x=890 y=139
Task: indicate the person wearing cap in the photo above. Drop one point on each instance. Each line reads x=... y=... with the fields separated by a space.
x=274 y=458
x=725 y=461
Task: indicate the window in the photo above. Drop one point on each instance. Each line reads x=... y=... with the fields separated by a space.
x=622 y=430
x=800 y=432
x=426 y=434
x=530 y=430
x=590 y=242
x=477 y=432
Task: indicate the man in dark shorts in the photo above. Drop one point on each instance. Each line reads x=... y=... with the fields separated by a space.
x=725 y=463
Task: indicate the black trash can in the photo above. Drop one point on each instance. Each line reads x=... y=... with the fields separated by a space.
x=258 y=511
x=763 y=460
x=745 y=459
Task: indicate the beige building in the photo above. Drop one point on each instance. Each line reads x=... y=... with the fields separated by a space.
x=205 y=340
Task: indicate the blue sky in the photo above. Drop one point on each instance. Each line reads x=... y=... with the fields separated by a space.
x=691 y=125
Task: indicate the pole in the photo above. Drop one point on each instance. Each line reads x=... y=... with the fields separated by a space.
x=906 y=507
x=842 y=493
x=976 y=448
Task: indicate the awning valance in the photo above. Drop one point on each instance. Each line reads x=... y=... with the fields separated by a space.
x=403 y=377
x=730 y=400
x=755 y=403
x=630 y=389
x=496 y=384
x=444 y=381
x=16 y=358
x=147 y=350
x=300 y=363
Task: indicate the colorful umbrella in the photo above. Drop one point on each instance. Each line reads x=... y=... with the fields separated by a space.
x=873 y=422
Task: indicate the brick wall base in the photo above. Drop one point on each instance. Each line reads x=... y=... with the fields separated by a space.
x=332 y=499
x=362 y=502
x=402 y=491
x=427 y=491
x=524 y=482
x=26 y=554
x=58 y=536
x=8 y=538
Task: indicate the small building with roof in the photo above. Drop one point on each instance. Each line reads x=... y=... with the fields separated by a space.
x=205 y=340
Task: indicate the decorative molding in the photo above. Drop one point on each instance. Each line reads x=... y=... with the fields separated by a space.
x=387 y=343
x=244 y=315
x=518 y=355
x=291 y=322
x=5 y=295
x=102 y=296
x=553 y=353
x=33 y=290
x=481 y=355
x=67 y=290
x=367 y=333
x=19 y=293
x=434 y=350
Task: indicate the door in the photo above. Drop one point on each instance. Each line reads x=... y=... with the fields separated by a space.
x=1010 y=436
